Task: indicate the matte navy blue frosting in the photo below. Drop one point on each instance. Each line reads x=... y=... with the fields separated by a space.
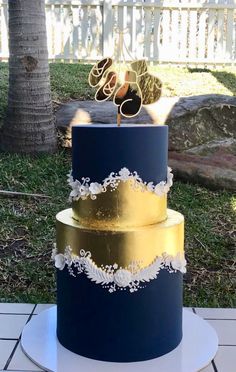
x=119 y=326
x=98 y=150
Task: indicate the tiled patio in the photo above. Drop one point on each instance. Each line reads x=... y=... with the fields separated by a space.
x=13 y=317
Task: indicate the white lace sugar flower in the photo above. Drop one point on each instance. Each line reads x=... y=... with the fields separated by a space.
x=75 y=184
x=74 y=193
x=160 y=188
x=54 y=253
x=68 y=256
x=84 y=191
x=167 y=259
x=122 y=277
x=179 y=263
x=70 y=179
x=169 y=177
x=60 y=261
x=95 y=188
x=124 y=174
x=150 y=186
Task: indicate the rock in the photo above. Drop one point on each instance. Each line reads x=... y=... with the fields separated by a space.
x=96 y=113
x=196 y=120
x=225 y=145
x=215 y=172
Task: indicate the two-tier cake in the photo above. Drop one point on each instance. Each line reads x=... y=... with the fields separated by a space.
x=120 y=251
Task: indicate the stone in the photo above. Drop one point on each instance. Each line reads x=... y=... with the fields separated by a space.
x=196 y=120
x=214 y=172
x=104 y=112
x=224 y=145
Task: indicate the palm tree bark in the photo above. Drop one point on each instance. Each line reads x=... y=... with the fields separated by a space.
x=29 y=123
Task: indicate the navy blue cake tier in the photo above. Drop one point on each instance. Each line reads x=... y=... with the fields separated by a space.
x=120 y=326
x=99 y=149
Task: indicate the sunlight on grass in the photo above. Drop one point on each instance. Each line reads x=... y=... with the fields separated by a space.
x=233 y=203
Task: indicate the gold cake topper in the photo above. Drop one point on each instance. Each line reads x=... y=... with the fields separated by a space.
x=129 y=89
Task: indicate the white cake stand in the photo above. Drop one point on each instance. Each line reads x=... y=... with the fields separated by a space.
x=197 y=349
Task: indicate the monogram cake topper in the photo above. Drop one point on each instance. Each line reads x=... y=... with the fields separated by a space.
x=129 y=89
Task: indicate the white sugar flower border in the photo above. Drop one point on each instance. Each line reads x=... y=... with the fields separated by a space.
x=114 y=277
x=85 y=188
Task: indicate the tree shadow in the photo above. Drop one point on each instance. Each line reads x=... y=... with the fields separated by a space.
x=226 y=78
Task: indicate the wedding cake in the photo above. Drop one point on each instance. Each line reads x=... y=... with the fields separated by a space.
x=119 y=251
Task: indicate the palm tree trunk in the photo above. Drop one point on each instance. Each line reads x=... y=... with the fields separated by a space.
x=29 y=123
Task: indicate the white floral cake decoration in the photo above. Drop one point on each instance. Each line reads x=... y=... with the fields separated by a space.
x=86 y=189
x=114 y=277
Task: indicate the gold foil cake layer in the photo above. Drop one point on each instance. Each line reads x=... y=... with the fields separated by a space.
x=122 y=245
x=122 y=207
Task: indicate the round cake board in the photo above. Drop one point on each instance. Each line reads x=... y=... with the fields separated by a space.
x=197 y=349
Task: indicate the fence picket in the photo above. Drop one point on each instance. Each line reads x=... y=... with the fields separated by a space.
x=58 y=32
x=183 y=34
x=220 y=52
x=166 y=46
x=75 y=36
x=132 y=27
x=96 y=21
x=211 y=34
x=139 y=52
x=67 y=32
x=229 y=35
x=175 y=32
x=156 y=35
x=192 y=34
x=107 y=28
x=202 y=35
x=148 y=31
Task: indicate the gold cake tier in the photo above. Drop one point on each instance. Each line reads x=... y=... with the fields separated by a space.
x=122 y=245
x=123 y=207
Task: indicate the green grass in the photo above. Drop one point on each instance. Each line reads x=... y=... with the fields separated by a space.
x=27 y=226
x=27 y=233
x=69 y=81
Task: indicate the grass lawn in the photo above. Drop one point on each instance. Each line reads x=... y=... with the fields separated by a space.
x=27 y=226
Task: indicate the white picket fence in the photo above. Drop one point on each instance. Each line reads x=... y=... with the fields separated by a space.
x=183 y=32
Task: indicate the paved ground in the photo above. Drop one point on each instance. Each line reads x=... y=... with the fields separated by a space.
x=13 y=317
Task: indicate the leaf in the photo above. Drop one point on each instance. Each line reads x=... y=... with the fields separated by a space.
x=96 y=274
